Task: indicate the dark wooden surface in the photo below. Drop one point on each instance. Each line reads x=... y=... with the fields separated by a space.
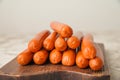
x=13 y=71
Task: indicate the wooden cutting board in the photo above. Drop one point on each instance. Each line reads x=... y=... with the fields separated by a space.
x=14 y=71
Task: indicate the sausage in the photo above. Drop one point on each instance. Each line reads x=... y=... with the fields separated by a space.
x=81 y=62
x=68 y=58
x=49 y=42
x=87 y=39
x=40 y=57
x=25 y=57
x=55 y=56
x=99 y=52
x=88 y=47
x=63 y=29
x=74 y=41
x=37 y=42
x=60 y=44
x=96 y=63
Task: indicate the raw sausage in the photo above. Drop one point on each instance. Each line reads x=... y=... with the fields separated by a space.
x=25 y=57
x=55 y=56
x=81 y=62
x=96 y=63
x=74 y=41
x=37 y=42
x=68 y=58
x=88 y=47
x=60 y=44
x=63 y=29
x=49 y=42
x=40 y=57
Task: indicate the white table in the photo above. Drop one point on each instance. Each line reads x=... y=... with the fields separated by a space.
x=11 y=45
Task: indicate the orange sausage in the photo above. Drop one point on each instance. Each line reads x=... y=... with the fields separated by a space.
x=75 y=40
x=55 y=56
x=60 y=44
x=25 y=57
x=68 y=58
x=81 y=62
x=87 y=39
x=96 y=63
x=99 y=52
x=88 y=47
x=49 y=42
x=63 y=29
x=40 y=57
x=37 y=42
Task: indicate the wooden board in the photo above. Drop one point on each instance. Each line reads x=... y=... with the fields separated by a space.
x=13 y=71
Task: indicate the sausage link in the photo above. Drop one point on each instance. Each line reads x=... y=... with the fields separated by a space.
x=55 y=56
x=68 y=58
x=75 y=40
x=88 y=47
x=63 y=29
x=37 y=42
x=81 y=62
x=40 y=57
x=60 y=44
x=25 y=57
x=49 y=42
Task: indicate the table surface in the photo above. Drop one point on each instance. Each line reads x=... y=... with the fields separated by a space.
x=12 y=45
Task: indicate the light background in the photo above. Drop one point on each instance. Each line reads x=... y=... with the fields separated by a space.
x=32 y=16
x=25 y=18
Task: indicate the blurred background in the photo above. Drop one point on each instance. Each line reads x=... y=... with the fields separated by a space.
x=31 y=16
x=20 y=20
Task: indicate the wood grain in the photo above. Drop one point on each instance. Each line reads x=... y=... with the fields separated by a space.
x=14 y=71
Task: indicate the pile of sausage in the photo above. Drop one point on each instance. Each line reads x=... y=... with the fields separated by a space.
x=62 y=46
